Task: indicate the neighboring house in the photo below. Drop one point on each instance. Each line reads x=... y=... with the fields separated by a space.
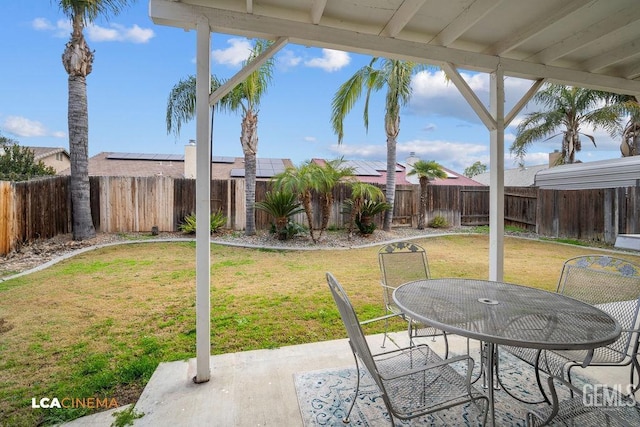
x=174 y=165
x=519 y=177
x=375 y=172
x=56 y=157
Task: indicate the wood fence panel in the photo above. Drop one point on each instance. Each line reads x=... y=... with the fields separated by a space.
x=520 y=206
x=474 y=206
x=406 y=205
x=7 y=217
x=184 y=200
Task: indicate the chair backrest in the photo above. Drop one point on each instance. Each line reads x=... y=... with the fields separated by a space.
x=357 y=340
x=401 y=262
x=609 y=283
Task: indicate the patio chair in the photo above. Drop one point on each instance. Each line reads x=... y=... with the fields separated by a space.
x=613 y=285
x=413 y=381
x=403 y=262
x=593 y=405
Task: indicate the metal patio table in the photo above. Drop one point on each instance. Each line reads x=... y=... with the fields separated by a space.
x=502 y=313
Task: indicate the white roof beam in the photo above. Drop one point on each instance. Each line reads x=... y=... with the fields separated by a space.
x=241 y=75
x=467 y=19
x=317 y=9
x=249 y=6
x=401 y=17
x=538 y=26
x=469 y=95
x=522 y=102
x=612 y=57
x=592 y=33
x=631 y=71
x=184 y=16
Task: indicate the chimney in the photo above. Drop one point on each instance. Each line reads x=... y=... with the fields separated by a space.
x=554 y=158
x=412 y=159
x=190 y=159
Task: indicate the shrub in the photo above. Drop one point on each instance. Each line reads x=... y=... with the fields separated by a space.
x=438 y=222
x=188 y=225
x=281 y=205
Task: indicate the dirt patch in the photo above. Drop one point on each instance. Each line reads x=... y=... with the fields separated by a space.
x=4 y=326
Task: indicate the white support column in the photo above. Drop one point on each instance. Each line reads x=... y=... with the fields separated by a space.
x=496 y=178
x=203 y=203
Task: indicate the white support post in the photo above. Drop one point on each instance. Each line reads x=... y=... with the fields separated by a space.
x=203 y=203
x=496 y=178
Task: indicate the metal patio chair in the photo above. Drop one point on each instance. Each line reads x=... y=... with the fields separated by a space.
x=413 y=381
x=613 y=285
x=589 y=406
x=403 y=262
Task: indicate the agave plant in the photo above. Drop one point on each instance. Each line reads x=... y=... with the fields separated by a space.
x=282 y=205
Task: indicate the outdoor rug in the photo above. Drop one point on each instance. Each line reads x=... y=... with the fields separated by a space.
x=324 y=397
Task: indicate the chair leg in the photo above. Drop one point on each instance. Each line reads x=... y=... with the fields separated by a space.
x=386 y=328
x=355 y=396
x=635 y=367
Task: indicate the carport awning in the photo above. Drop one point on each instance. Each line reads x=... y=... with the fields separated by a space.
x=588 y=43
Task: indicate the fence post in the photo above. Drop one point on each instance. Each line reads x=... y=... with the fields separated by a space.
x=610 y=215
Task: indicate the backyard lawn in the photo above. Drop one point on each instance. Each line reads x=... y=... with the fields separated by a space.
x=98 y=324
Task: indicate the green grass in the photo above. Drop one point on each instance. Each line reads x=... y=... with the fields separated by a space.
x=98 y=324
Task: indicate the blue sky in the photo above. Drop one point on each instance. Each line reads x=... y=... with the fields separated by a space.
x=137 y=63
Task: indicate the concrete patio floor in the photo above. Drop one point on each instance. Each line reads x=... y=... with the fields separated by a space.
x=256 y=388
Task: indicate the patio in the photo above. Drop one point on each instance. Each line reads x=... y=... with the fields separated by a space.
x=257 y=387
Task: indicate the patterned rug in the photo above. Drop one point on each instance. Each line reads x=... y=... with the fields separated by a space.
x=324 y=397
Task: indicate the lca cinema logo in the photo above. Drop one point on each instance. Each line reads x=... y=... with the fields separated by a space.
x=73 y=402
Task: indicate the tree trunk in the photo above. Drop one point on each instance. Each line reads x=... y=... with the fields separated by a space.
x=249 y=140
x=326 y=201
x=423 y=203
x=392 y=127
x=77 y=60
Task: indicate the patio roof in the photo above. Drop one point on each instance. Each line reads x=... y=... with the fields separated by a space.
x=588 y=43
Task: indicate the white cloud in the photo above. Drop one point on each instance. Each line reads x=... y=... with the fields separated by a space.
x=119 y=33
x=96 y=33
x=238 y=51
x=288 y=59
x=451 y=154
x=23 y=127
x=433 y=94
x=330 y=61
x=310 y=138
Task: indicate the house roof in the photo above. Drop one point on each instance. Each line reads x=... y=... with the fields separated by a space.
x=172 y=165
x=40 y=153
x=375 y=172
x=518 y=177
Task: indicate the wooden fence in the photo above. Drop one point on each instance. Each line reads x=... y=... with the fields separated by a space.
x=41 y=209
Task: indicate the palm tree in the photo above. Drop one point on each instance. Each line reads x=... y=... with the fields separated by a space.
x=366 y=201
x=568 y=109
x=299 y=181
x=628 y=107
x=78 y=61
x=395 y=75
x=244 y=97
x=324 y=180
x=426 y=171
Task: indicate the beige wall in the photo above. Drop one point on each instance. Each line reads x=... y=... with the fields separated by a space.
x=58 y=161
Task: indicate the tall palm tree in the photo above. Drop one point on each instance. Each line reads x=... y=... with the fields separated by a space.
x=395 y=75
x=628 y=108
x=567 y=110
x=78 y=61
x=244 y=97
x=426 y=170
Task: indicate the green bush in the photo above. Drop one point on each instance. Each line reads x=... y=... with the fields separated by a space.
x=281 y=205
x=291 y=229
x=438 y=222
x=188 y=225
